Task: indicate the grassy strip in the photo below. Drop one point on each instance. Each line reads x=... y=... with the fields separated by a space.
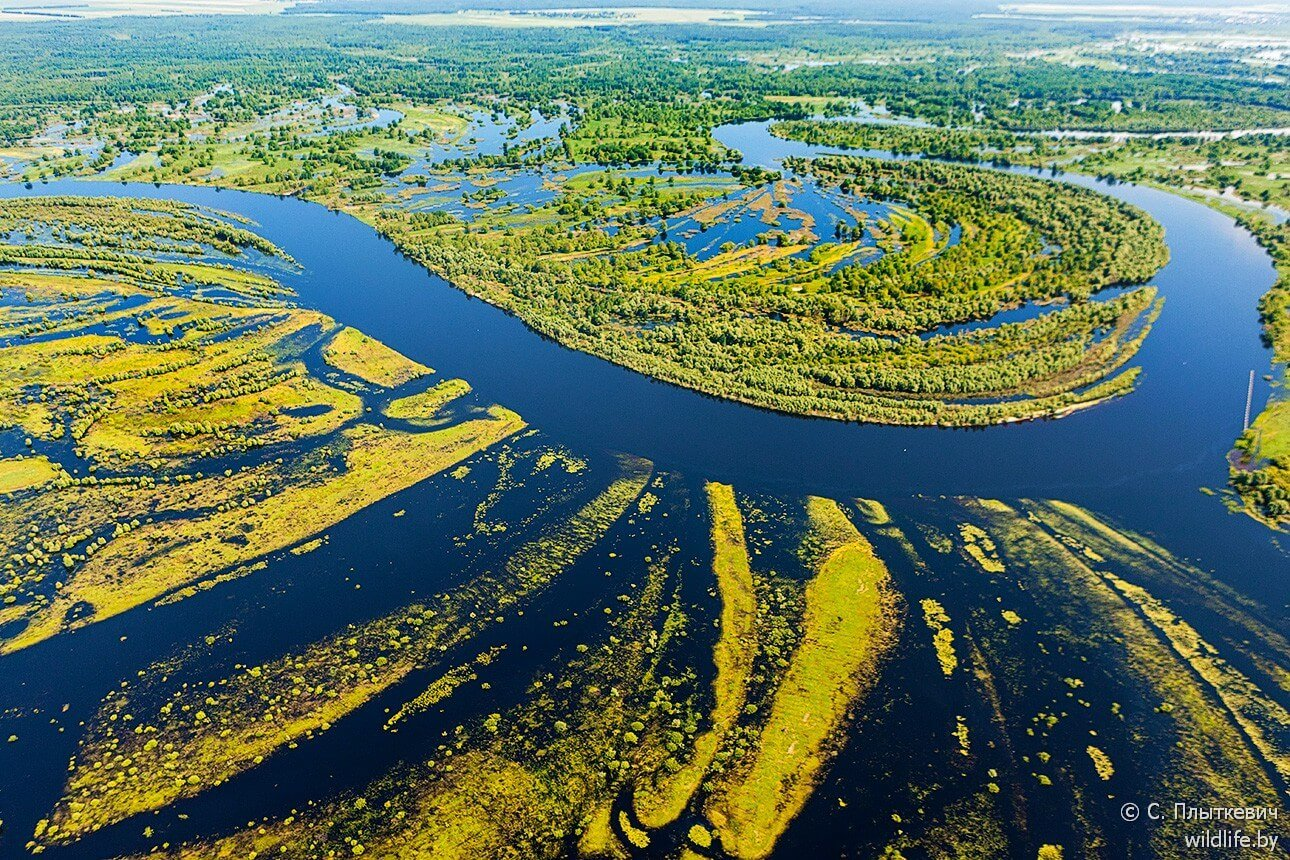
x=660 y=804
x=22 y=473
x=155 y=558
x=423 y=406
x=358 y=355
x=848 y=625
x=1209 y=759
x=204 y=735
x=515 y=783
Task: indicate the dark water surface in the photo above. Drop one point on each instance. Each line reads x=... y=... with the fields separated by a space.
x=1140 y=460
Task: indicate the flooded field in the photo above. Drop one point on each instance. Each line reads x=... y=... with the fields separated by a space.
x=453 y=580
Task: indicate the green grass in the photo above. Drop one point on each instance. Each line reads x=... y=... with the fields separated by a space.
x=355 y=353
x=21 y=473
x=661 y=804
x=423 y=406
x=849 y=623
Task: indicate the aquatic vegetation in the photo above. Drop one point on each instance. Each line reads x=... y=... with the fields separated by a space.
x=619 y=740
x=21 y=473
x=204 y=734
x=1262 y=719
x=423 y=406
x=555 y=762
x=444 y=686
x=1101 y=763
x=937 y=620
x=355 y=353
x=141 y=378
x=377 y=463
x=539 y=768
x=1209 y=712
x=978 y=544
x=661 y=803
x=848 y=624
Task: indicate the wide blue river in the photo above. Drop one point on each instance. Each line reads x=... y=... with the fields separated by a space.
x=1142 y=459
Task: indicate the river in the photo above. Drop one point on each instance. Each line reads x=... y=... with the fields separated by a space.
x=1140 y=460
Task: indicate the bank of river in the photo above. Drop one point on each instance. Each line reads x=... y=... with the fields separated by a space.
x=1166 y=440
x=1139 y=460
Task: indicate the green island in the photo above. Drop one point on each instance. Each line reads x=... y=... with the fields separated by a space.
x=1243 y=176
x=862 y=322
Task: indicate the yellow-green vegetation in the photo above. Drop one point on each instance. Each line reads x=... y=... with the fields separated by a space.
x=593 y=726
x=155 y=371
x=1224 y=750
x=154 y=558
x=21 y=473
x=848 y=624
x=445 y=685
x=1140 y=559
x=1101 y=763
x=938 y=620
x=355 y=353
x=771 y=324
x=660 y=804
x=522 y=783
x=1119 y=556
x=967 y=829
x=423 y=406
x=202 y=735
x=978 y=545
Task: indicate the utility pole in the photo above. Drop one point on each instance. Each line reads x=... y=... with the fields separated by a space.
x=1249 y=397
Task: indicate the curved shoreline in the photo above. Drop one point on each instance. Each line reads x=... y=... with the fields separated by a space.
x=584 y=400
x=1139 y=459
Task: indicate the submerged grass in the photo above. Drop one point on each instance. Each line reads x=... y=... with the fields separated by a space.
x=848 y=626
x=661 y=804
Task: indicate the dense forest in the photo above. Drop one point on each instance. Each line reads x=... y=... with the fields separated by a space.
x=972 y=77
x=647 y=97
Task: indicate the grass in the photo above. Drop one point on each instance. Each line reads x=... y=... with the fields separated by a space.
x=249 y=716
x=1129 y=564
x=355 y=353
x=420 y=118
x=156 y=371
x=22 y=473
x=848 y=625
x=661 y=804
x=521 y=782
x=423 y=406
x=1209 y=757
x=938 y=620
x=154 y=559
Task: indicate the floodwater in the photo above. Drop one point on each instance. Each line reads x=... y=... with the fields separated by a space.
x=1139 y=461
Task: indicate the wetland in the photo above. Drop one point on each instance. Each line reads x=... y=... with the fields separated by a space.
x=405 y=478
